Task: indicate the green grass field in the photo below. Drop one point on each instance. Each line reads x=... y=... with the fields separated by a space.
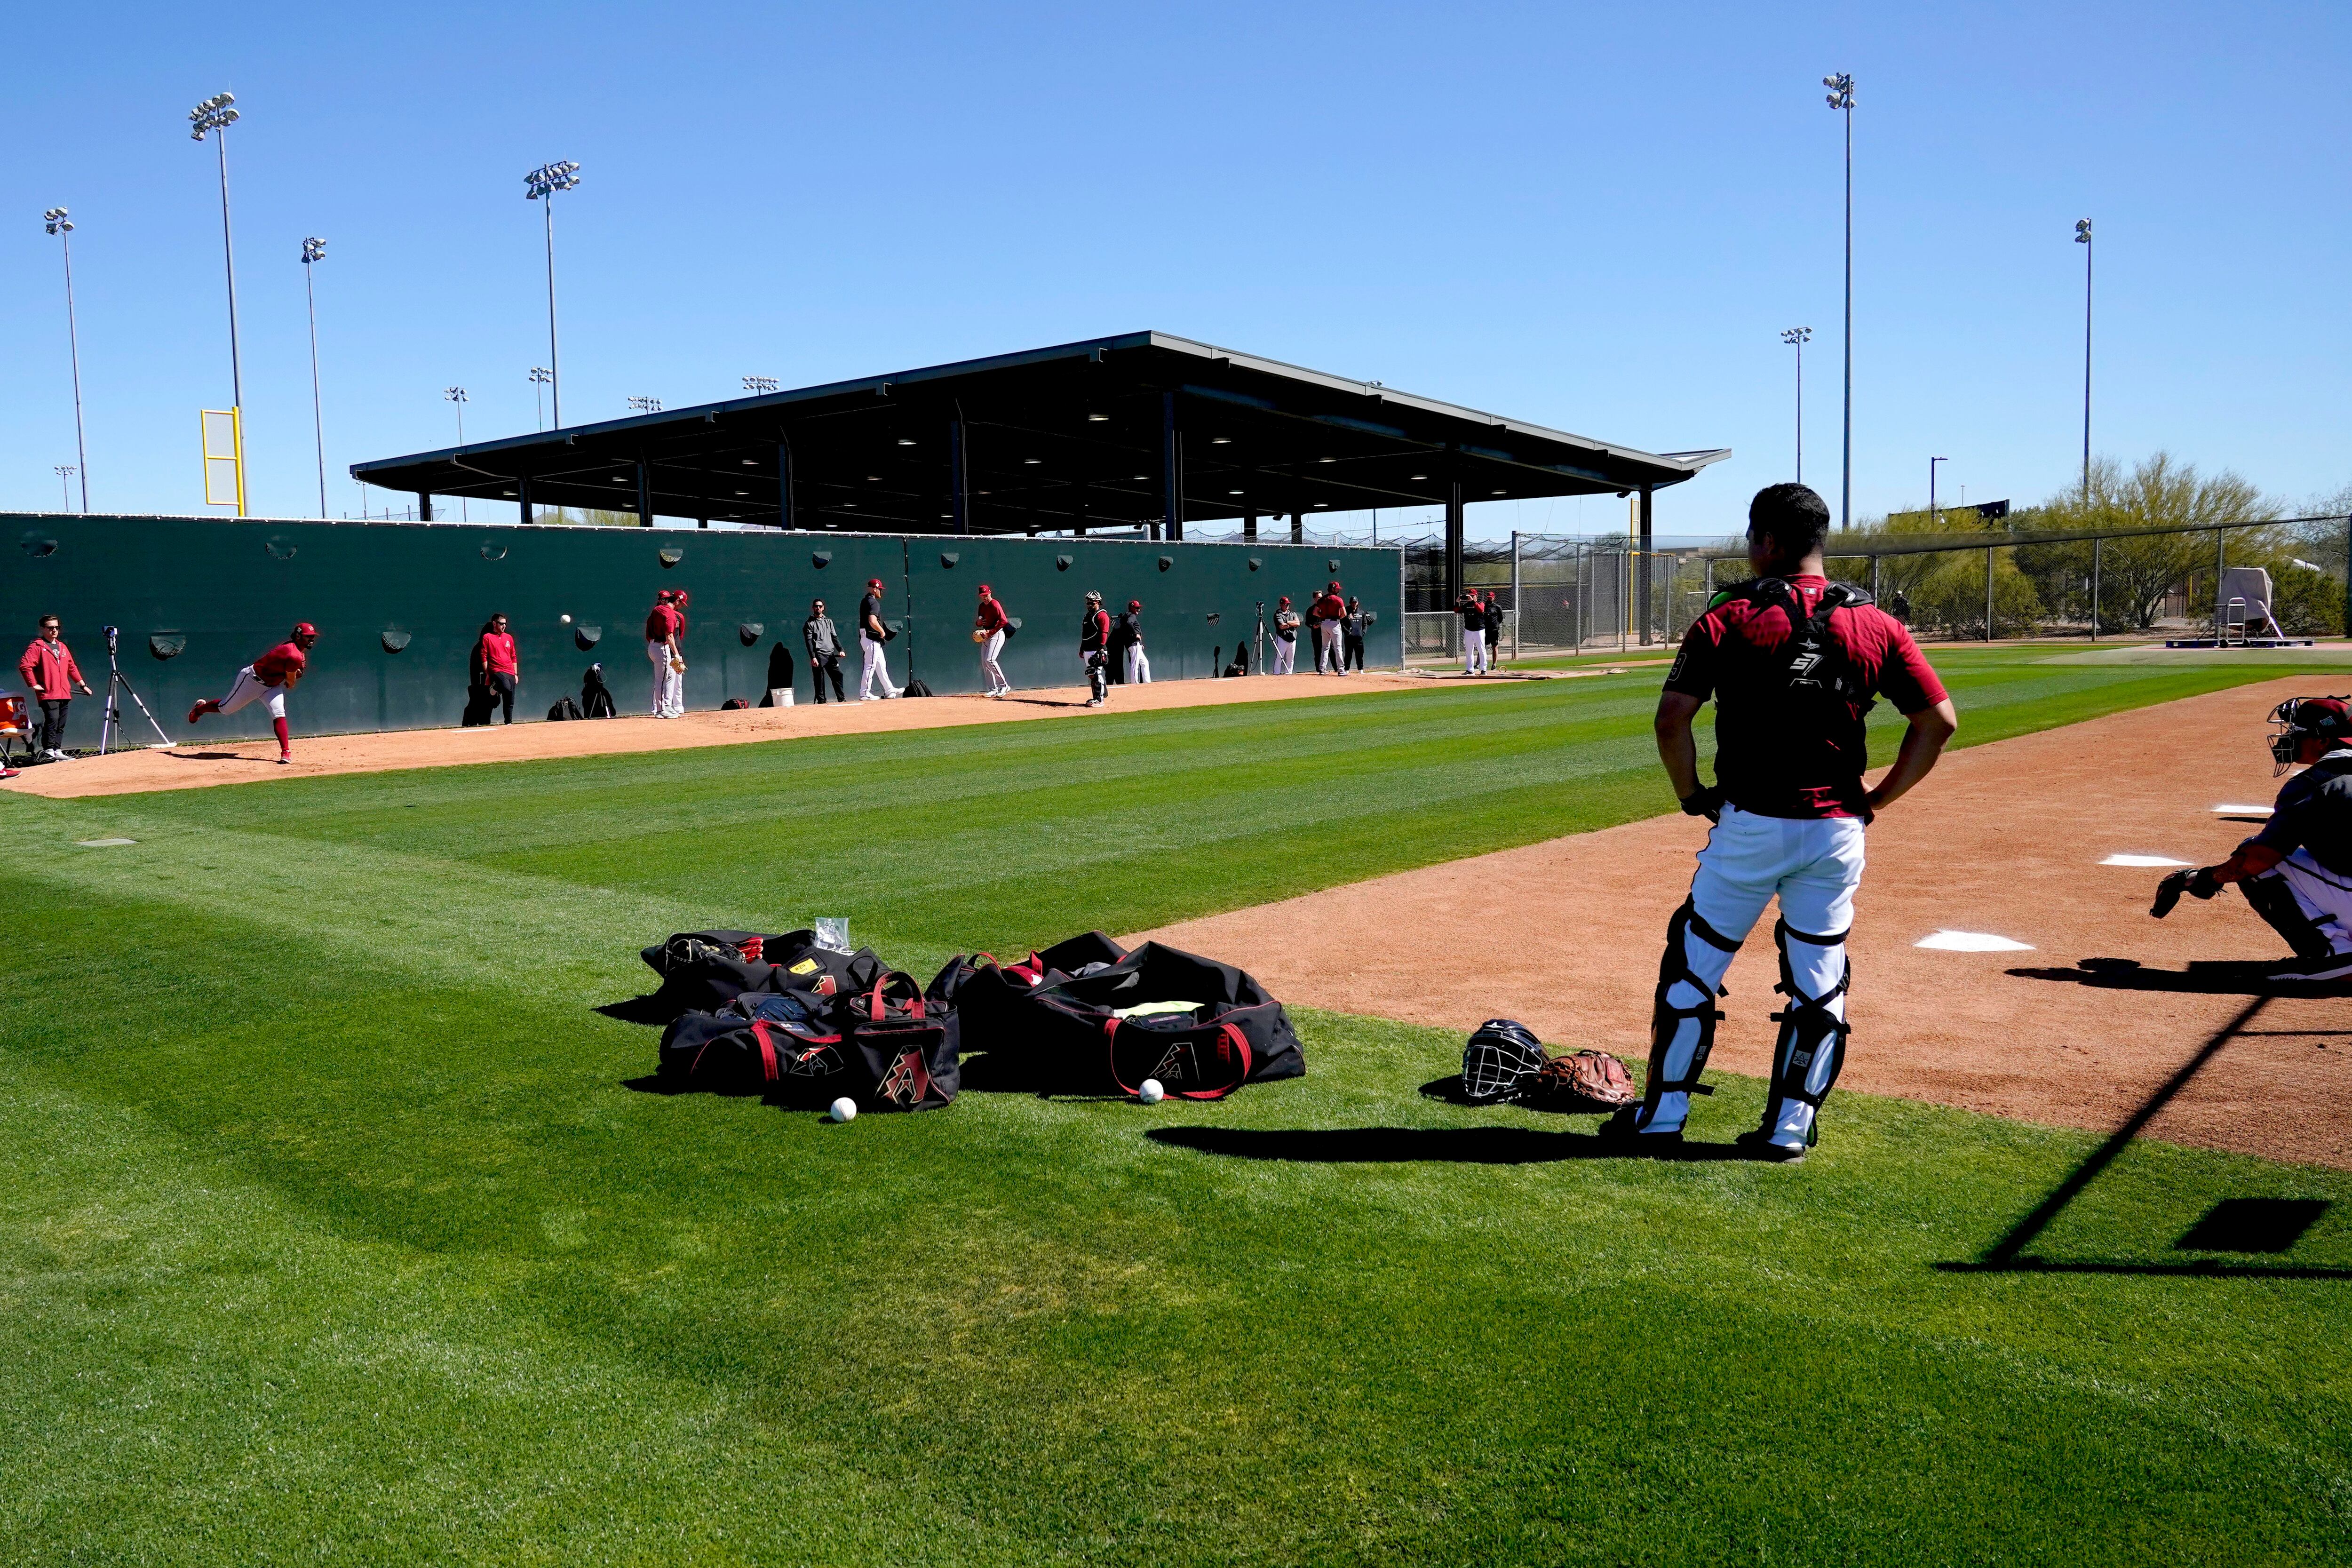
x=329 y=1231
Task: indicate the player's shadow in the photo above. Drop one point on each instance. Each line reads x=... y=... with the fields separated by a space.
x=2220 y=977
x=1415 y=1145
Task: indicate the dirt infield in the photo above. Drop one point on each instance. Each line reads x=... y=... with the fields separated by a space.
x=191 y=766
x=2005 y=839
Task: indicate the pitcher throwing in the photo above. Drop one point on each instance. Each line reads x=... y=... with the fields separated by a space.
x=267 y=681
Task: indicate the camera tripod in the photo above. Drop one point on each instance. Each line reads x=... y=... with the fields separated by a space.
x=110 y=733
x=1259 y=667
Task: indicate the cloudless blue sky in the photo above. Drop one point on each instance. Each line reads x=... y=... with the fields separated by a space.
x=1596 y=218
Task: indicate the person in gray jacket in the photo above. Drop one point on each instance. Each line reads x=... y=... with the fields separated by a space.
x=823 y=644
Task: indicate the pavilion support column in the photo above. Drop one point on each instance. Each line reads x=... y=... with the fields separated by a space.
x=522 y=498
x=1249 y=525
x=645 y=494
x=1454 y=533
x=424 y=506
x=1298 y=528
x=1172 y=469
x=1649 y=518
x=784 y=513
x=959 y=477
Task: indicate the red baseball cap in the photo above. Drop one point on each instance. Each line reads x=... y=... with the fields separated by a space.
x=1134 y=604
x=983 y=587
x=1286 y=598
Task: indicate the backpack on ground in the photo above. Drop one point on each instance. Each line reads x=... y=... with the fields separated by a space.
x=775 y=1043
x=731 y=704
x=915 y=689
x=564 y=709
x=988 y=995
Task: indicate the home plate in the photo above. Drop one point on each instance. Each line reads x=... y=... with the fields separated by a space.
x=1971 y=941
x=2241 y=811
x=2141 y=860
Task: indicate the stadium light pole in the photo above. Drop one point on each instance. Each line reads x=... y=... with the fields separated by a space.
x=64 y=472
x=60 y=226
x=539 y=376
x=1797 y=338
x=1841 y=88
x=214 y=115
x=314 y=250
x=1931 y=487
x=2082 y=238
x=540 y=185
x=457 y=395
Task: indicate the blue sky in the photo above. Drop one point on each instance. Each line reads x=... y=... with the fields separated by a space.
x=1596 y=218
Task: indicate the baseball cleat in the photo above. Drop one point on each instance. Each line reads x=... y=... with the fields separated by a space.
x=1757 y=1144
x=284 y=758
x=2330 y=967
x=1620 y=1130
x=203 y=706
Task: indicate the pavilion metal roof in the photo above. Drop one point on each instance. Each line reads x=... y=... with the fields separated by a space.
x=1103 y=433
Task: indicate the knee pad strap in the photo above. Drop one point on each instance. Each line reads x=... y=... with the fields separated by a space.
x=1666 y=1019
x=1810 y=1031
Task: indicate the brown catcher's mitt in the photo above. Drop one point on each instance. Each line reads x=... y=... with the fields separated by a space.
x=1584 y=1080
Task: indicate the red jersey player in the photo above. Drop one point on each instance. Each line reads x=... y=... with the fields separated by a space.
x=1793 y=662
x=267 y=681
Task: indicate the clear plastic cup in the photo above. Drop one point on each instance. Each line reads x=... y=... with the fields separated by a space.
x=832 y=932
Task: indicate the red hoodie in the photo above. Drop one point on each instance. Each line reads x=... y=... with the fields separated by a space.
x=49 y=670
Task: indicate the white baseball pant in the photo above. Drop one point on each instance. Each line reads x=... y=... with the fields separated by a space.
x=1474 y=650
x=1326 y=648
x=1813 y=866
x=991 y=673
x=2325 y=898
x=248 y=688
x=877 y=665
x=669 y=685
x=1139 y=665
x=1286 y=655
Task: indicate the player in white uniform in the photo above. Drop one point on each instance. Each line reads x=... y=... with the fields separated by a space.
x=873 y=634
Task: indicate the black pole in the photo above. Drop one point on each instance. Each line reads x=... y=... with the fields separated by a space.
x=424 y=506
x=2348 y=576
x=522 y=497
x=1454 y=531
x=645 y=494
x=784 y=483
x=960 y=501
x=1649 y=534
x=1171 y=468
x=1249 y=525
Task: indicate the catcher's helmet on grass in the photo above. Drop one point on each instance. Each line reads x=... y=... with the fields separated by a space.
x=2301 y=718
x=1502 y=1058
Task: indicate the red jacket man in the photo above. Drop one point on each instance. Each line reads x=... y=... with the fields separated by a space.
x=50 y=673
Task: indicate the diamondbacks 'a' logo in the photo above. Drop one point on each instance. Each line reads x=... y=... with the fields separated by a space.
x=1177 y=1065
x=824 y=986
x=907 y=1080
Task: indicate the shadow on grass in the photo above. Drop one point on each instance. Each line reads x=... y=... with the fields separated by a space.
x=2225 y=1228
x=1408 y=1145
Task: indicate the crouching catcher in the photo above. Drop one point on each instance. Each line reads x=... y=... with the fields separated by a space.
x=1793 y=662
x=2297 y=873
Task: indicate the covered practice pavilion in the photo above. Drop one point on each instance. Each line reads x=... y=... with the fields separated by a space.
x=1143 y=430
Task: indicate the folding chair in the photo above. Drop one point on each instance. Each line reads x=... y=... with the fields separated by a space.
x=15 y=724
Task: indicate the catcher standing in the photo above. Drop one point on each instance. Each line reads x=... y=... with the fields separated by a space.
x=1793 y=662
x=267 y=681
x=2297 y=871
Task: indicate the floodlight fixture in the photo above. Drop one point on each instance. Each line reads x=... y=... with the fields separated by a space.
x=214 y=114
x=761 y=384
x=550 y=178
x=59 y=225
x=646 y=404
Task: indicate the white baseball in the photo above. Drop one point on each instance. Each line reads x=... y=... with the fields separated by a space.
x=567 y=620
x=1150 y=1091
x=844 y=1110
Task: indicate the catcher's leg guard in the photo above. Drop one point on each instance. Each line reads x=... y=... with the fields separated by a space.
x=1812 y=1046
x=2273 y=898
x=1682 y=1018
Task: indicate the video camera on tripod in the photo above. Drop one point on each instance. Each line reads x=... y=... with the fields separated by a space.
x=109 y=732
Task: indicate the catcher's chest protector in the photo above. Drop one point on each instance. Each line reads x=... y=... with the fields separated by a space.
x=1811 y=662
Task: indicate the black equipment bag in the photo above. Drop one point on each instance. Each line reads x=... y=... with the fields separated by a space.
x=481 y=702
x=901 y=1047
x=915 y=689
x=595 y=697
x=988 y=995
x=700 y=971
x=757 y=1044
x=1233 y=1031
x=562 y=708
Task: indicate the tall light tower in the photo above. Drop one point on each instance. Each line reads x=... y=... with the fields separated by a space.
x=539 y=376
x=314 y=250
x=540 y=185
x=214 y=115
x=1932 y=514
x=62 y=228
x=1841 y=88
x=64 y=472
x=1797 y=338
x=456 y=395
x=2082 y=238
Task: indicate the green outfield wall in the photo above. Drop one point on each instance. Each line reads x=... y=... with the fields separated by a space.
x=398 y=606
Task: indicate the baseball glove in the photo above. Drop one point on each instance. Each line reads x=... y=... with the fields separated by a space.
x=293 y=677
x=979 y=635
x=1583 y=1081
x=2199 y=883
